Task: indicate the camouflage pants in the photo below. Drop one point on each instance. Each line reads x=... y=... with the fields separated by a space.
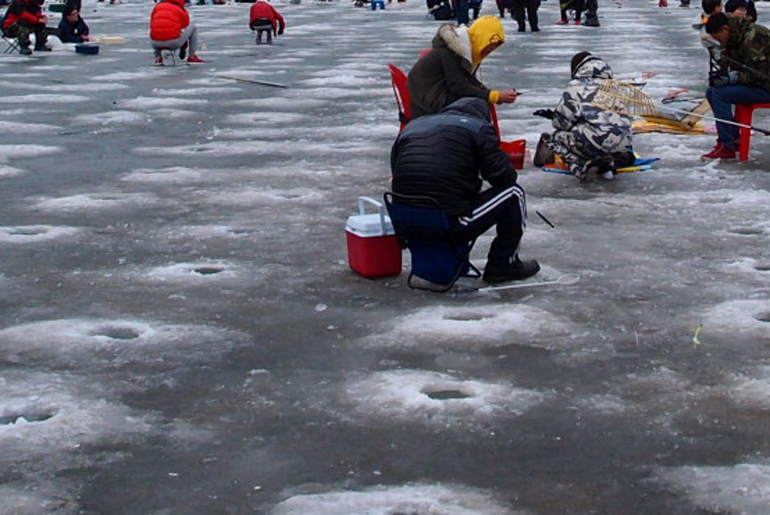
x=580 y=154
x=22 y=29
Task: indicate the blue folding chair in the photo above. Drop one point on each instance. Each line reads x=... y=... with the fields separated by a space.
x=439 y=255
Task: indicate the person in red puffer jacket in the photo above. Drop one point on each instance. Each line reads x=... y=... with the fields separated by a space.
x=264 y=18
x=171 y=28
x=24 y=17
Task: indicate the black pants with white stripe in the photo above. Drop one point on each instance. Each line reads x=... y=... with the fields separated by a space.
x=507 y=209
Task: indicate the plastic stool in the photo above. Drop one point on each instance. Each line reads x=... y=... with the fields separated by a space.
x=744 y=113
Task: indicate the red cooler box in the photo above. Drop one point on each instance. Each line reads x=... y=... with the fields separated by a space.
x=373 y=249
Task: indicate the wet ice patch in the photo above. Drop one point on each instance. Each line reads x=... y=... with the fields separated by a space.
x=103 y=342
x=740 y=489
x=435 y=398
x=746 y=318
x=418 y=499
x=24 y=499
x=471 y=326
x=34 y=233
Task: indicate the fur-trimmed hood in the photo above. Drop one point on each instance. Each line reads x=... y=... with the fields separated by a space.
x=456 y=39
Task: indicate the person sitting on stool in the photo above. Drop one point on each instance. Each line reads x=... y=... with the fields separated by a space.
x=446 y=156
x=171 y=29
x=264 y=18
x=24 y=17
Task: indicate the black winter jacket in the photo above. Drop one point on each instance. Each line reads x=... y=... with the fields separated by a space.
x=446 y=156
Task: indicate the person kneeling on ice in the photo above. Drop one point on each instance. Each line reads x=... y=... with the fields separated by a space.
x=745 y=48
x=72 y=28
x=591 y=140
x=448 y=71
x=22 y=18
x=171 y=29
x=264 y=18
x=447 y=156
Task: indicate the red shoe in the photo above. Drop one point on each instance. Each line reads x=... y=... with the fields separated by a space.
x=562 y=22
x=577 y=22
x=663 y=3
x=719 y=152
x=159 y=60
x=194 y=59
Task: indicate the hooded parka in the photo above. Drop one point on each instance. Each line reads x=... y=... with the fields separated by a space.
x=446 y=156
x=448 y=71
x=585 y=132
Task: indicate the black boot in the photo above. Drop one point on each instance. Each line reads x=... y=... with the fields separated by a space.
x=500 y=272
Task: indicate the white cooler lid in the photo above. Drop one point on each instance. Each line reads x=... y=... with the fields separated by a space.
x=370 y=225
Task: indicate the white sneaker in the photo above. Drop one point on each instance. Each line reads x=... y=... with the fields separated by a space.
x=608 y=175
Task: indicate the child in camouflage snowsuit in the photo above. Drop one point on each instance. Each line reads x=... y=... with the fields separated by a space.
x=591 y=140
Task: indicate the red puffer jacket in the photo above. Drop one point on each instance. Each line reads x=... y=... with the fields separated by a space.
x=168 y=20
x=28 y=10
x=262 y=9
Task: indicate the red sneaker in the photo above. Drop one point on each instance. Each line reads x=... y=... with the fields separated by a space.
x=663 y=3
x=719 y=152
x=562 y=22
x=577 y=22
x=194 y=59
x=159 y=60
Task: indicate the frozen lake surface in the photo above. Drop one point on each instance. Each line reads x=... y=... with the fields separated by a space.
x=180 y=332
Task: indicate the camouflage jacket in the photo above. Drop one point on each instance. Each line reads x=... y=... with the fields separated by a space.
x=595 y=130
x=749 y=45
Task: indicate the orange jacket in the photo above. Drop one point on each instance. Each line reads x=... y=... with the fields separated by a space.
x=168 y=20
x=262 y=9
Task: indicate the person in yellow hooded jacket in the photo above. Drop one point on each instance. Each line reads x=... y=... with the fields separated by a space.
x=448 y=71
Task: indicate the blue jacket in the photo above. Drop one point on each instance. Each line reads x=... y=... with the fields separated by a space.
x=72 y=33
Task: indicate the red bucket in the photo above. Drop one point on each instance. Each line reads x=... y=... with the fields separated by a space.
x=516 y=150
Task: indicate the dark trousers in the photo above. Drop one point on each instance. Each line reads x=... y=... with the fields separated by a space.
x=22 y=29
x=506 y=208
x=461 y=11
x=530 y=6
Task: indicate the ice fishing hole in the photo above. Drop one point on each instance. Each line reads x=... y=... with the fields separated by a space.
x=208 y=270
x=762 y=268
x=763 y=317
x=465 y=317
x=116 y=333
x=20 y=231
x=6 y=420
x=443 y=395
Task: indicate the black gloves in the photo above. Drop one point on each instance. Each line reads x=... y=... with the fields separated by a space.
x=545 y=113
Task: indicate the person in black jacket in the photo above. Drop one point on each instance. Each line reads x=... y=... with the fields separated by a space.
x=447 y=156
x=72 y=28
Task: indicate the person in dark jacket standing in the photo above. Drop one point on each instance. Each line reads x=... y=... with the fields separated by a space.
x=745 y=50
x=24 y=17
x=448 y=71
x=72 y=28
x=524 y=10
x=447 y=156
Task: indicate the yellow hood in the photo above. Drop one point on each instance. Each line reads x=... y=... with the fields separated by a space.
x=484 y=32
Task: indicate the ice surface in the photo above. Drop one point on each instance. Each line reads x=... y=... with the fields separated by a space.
x=180 y=331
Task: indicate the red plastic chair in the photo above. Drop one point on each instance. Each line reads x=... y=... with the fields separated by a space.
x=398 y=81
x=744 y=113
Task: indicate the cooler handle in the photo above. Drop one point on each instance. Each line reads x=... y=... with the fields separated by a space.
x=362 y=201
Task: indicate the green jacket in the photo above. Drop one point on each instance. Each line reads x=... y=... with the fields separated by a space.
x=749 y=44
